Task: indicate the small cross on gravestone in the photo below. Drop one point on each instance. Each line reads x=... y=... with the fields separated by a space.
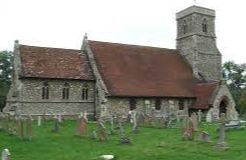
x=6 y=154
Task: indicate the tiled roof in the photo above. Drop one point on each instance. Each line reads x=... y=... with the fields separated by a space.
x=140 y=71
x=43 y=62
x=204 y=93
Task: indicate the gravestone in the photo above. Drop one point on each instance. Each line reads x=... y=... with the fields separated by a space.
x=123 y=138
x=59 y=118
x=81 y=126
x=204 y=136
x=39 y=120
x=134 y=121
x=111 y=120
x=221 y=144
x=6 y=154
x=187 y=129
x=56 y=125
x=194 y=121
x=209 y=117
x=199 y=113
x=94 y=135
x=29 y=128
x=101 y=131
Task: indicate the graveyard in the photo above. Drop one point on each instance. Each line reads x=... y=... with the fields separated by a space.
x=53 y=139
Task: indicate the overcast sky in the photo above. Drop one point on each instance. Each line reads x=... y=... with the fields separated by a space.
x=62 y=23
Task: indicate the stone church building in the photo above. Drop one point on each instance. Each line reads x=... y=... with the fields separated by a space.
x=107 y=78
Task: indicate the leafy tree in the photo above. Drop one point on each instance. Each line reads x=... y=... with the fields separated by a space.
x=235 y=75
x=5 y=74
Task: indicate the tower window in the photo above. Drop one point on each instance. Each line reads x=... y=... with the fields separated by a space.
x=184 y=27
x=45 y=90
x=85 y=92
x=65 y=91
x=205 y=26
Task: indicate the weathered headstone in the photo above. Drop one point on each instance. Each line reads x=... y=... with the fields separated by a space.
x=6 y=154
x=81 y=126
x=20 y=127
x=134 y=121
x=194 y=121
x=221 y=144
x=29 y=128
x=59 y=118
x=39 y=120
x=187 y=129
x=56 y=125
x=101 y=131
x=204 y=136
x=199 y=113
x=209 y=117
x=123 y=138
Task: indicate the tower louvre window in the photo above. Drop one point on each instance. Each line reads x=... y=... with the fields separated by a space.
x=45 y=90
x=205 y=26
x=65 y=91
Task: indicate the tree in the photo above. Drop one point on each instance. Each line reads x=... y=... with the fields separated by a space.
x=5 y=74
x=235 y=75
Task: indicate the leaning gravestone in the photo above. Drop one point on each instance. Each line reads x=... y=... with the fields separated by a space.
x=6 y=154
x=221 y=144
x=194 y=121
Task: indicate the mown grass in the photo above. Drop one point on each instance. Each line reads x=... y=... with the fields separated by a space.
x=148 y=144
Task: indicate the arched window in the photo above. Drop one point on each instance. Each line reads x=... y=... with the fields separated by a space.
x=181 y=104
x=45 y=90
x=184 y=27
x=65 y=91
x=85 y=92
x=158 y=104
x=205 y=26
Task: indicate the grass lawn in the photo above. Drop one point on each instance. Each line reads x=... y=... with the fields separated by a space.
x=148 y=144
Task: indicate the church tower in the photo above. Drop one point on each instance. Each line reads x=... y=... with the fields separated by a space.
x=196 y=41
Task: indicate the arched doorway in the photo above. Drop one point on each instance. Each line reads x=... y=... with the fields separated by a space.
x=223 y=106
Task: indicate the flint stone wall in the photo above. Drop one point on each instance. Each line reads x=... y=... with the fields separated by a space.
x=30 y=98
x=167 y=106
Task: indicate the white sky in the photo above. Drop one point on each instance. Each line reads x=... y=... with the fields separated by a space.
x=62 y=23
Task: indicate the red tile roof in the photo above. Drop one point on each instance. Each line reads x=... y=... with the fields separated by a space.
x=204 y=93
x=43 y=62
x=140 y=71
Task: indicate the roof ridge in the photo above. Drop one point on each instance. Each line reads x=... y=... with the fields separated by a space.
x=49 y=47
x=133 y=45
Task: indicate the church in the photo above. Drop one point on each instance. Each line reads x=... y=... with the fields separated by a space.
x=105 y=78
